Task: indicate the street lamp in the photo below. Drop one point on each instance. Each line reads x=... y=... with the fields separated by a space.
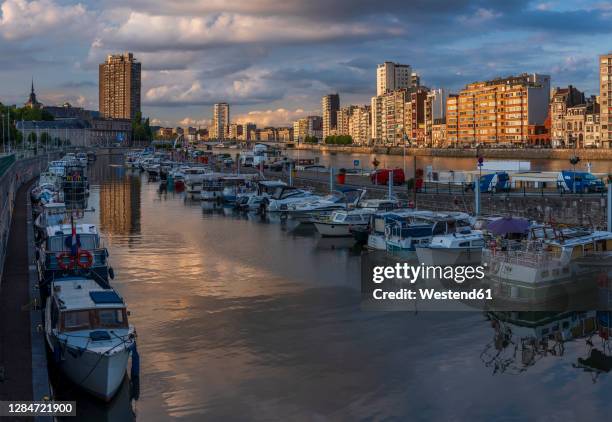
x=573 y=161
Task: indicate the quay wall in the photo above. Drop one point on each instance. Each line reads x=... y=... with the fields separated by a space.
x=18 y=173
x=510 y=153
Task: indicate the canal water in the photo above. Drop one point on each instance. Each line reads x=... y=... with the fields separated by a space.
x=241 y=318
x=343 y=160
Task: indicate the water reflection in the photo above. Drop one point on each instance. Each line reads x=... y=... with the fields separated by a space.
x=242 y=317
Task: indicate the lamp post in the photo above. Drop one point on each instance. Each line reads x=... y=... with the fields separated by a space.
x=573 y=161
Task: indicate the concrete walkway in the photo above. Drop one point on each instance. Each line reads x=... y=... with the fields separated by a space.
x=15 y=339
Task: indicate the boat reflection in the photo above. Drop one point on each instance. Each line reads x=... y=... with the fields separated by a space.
x=522 y=339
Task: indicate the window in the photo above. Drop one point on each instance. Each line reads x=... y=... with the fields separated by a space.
x=110 y=318
x=464 y=244
x=76 y=320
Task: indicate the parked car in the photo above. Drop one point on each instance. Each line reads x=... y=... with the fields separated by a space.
x=381 y=176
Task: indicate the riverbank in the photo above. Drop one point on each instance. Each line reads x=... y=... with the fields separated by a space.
x=514 y=153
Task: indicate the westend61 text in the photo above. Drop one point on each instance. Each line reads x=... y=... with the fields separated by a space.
x=432 y=294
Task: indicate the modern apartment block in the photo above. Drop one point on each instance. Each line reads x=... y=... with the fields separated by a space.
x=221 y=120
x=307 y=126
x=359 y=124
x=119 y=86
x=562 y=99
x=343 y=119
x=415 y=114
x=500 y=111
x=435 y=111
x=605 y=99
x=393 y=76
x=330 y=104
x=452 y=119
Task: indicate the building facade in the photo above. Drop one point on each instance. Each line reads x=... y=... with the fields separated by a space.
x=605 y=99
x=119 y=86
x=221 y=121
x=435 y=112
x=343 y=118
x=311 y=126
x=499 y=111
x=359 y=125
x=330 y=104
x=393 y=76
x=562 y=99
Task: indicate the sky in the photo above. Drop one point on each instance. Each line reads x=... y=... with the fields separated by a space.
x=273 y=60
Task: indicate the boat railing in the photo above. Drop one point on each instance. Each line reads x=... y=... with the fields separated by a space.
x=531 y=258
x=99 y=255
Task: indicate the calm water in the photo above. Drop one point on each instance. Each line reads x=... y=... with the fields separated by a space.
x=240 y=318
x=437 y=163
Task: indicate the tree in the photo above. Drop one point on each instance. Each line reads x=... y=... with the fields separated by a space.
x=311 y=140
x=141 y=129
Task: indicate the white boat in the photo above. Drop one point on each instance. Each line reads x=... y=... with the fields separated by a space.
x=460 y=248
x=53 y=213
x=284 y=196
x=321 y=206
x=235 y=185
x=193 y=178
x=403 y=233
x=340 y=223
x=87 y=330
x=253 y=200
x=543 y=268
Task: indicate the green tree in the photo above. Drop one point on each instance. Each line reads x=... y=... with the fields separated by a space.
x=141 y=128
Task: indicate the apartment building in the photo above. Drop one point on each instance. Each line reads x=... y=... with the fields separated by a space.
x=499 y=111
x=392 y=76
x=343 y=118
x=308 y=126
x=221 y=121
x=359 y=126
x=452 y=119
x=435 y=111
x=605 y=99
x=119 y=86
x=330 y=104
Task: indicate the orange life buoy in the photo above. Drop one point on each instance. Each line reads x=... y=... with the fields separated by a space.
x=87 y=261
x=64 y=263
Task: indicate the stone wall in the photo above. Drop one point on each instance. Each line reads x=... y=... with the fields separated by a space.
x=17 y=174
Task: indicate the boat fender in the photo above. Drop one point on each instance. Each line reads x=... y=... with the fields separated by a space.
x=387 y=231
x=111 y=273
x=135 y=371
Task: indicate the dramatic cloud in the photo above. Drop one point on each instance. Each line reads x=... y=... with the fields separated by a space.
x=279 y=57
x=33 y=19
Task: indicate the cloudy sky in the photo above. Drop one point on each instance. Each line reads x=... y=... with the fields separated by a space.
x=272 y=60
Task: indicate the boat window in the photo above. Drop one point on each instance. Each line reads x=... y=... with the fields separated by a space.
x=464 y=244
x=76 y=320
x=110 y=318
x=463 y=223
x=479 y=242
x=439 y=228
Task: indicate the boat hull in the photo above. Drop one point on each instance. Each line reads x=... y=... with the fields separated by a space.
x=100 y=375
x=334 y=229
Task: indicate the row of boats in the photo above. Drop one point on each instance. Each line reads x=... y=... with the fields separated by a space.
x=525 y=260
x=85 y=319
